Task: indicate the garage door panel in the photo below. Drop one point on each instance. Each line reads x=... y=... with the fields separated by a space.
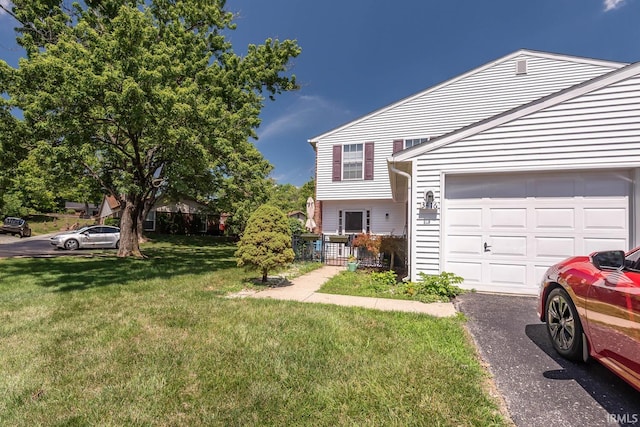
x=508 y=274
x=554 y=247
x=554 y=187
x=465 y=218
x=605 y=219
x=508 y=246
x=554 y=218
x=607 y=185
x=508 y=218
x=603 y=244
x=470 y=271
x=530 y=221
x=464 y=245
x=507 y=189
x=538 y=271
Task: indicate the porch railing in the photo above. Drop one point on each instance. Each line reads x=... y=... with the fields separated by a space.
x=336 y=250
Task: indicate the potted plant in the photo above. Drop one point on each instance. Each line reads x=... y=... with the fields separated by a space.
x=352 y=263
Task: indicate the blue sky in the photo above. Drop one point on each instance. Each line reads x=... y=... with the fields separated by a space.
x=361 y=55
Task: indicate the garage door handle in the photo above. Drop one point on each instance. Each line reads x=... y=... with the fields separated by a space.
x=486 y=247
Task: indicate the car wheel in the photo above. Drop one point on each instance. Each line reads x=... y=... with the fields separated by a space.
x=71 y=244
x=118 y=244
x=563 y=324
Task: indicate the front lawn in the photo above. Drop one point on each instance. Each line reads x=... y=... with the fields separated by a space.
x=107 y=341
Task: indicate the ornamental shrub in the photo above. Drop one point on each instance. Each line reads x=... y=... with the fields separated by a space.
x=431 y=288
x=266 y=241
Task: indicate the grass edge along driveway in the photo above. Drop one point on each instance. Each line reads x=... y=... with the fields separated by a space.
x=109 y=341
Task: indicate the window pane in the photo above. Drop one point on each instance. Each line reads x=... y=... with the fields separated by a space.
x=352 y=161
x=408 y=143
x=353 y=222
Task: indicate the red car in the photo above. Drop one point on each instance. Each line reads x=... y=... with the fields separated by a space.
x=591 y=305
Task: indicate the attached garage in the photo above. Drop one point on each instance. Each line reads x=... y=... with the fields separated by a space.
x=525 y=189
x=504 y=230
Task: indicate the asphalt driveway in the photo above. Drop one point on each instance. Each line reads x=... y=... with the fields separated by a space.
x=539 y=387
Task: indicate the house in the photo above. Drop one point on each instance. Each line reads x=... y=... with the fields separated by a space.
x=299 y=215
x=185 y=216
x=85 y=210
x=496 y=174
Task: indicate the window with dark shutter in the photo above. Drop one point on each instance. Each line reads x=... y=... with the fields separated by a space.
x=337 y=163
x=398 y=145
x=368 y=160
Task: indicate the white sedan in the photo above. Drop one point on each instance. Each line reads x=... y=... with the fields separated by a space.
x=95 y=236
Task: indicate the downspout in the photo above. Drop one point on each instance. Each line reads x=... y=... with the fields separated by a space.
x=409 y=203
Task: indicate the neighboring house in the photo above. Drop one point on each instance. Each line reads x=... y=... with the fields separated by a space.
x=495 y=174
x=85 y=210
x=183 y=217
x=299 y=215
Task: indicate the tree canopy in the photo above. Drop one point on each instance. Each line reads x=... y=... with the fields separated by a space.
x=145 y=97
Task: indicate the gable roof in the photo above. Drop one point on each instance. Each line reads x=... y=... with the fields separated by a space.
x=546 y=55
x=596 y=83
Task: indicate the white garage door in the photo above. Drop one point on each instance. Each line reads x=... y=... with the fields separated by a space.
x=502 y=231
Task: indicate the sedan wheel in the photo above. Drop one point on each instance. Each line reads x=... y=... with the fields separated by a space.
x=71 y=244
x=563 y=325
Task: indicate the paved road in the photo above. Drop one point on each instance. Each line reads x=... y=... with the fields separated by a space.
x=37 y=246
x=540 y=388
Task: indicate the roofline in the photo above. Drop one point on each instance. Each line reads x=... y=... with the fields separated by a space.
x=521 y=111
x=541 y=54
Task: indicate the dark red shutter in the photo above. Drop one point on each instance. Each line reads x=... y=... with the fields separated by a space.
x=397 y=145
x=337 y=163
x=368 y=160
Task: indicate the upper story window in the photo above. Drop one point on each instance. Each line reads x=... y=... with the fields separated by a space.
x=401 y=144
x=352 y=160
x=416 y=141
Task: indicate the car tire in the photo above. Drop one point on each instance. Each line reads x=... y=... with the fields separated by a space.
x=71 y=244
x=118 y=244
x=563 y=325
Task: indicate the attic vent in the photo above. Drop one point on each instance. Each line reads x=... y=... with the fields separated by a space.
x=521 y=67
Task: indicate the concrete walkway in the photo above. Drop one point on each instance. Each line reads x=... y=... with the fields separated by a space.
x=304 y=289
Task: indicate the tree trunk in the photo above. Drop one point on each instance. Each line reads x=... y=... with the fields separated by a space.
x=129 y=239
x=264 y=275
x=147 y=205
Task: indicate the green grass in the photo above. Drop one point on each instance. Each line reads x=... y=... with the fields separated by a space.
x=107 y=341
x=360 y=283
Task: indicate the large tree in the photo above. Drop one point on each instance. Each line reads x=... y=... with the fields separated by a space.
x=146 y=96
x=12 y=150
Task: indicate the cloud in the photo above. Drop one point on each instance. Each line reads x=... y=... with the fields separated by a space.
x=612 y=4
x=303 y=114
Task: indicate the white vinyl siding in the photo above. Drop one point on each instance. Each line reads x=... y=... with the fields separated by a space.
x=379 y=221
x=442 y=109
x=595 y=131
